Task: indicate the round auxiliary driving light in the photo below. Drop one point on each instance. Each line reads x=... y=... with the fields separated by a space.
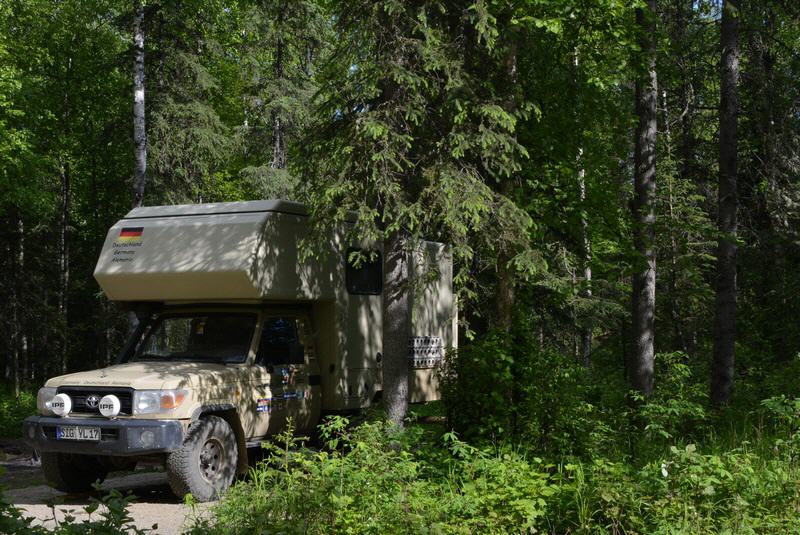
x=61 y=404
x=109 y=406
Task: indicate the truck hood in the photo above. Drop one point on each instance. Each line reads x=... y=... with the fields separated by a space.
x=144 y=375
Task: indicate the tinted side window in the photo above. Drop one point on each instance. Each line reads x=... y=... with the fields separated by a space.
x=367 y=278
x=280 y=343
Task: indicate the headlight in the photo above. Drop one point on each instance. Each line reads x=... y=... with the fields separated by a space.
x=153 y=401
x=43 y=400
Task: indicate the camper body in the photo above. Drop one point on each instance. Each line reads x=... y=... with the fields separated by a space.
x=237 y=334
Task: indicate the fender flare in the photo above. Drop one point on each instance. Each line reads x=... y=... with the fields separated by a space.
x=212 y=408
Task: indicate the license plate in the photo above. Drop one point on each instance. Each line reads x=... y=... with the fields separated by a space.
x=77 y=432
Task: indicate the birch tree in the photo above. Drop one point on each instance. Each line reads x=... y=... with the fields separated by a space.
x=139 y=132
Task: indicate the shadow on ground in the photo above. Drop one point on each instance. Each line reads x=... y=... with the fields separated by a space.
x=150 y=487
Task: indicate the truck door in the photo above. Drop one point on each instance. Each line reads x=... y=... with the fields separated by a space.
x=292 y=390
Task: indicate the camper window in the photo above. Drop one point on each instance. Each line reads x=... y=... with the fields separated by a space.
x=367 y=278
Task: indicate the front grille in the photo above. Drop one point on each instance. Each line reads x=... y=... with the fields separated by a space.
x=79 y=395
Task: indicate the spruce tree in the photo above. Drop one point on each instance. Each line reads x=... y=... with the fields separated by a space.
x=406 y=142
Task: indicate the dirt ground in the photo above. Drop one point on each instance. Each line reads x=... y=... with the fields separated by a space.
x=24 y=486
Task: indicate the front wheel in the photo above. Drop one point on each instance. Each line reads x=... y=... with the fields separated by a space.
x=206 y=463
x=69 y=472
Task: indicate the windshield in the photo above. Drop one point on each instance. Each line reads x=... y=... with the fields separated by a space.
x=209 y=337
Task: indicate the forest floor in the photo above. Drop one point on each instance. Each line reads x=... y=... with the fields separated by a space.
x=24 y=486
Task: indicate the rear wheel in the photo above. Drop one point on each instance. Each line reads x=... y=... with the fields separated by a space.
x=69 y=472
x=205 y=466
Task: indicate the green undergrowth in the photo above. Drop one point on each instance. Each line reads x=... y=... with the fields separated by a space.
x=375 y=479
x=108 y=515
x=13 y=410
x=526 y=441
x=533 y=443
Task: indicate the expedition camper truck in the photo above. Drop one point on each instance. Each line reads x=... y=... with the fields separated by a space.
x=236 y=334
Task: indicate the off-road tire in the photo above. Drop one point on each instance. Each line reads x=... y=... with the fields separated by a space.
x=205 y=466
x=69 y=472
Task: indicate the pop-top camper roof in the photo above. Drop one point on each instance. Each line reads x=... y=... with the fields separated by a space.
x=206 y=252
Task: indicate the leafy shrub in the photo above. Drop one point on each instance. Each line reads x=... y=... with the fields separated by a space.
x=13 y=410
x=375 y=479
x=678 y=405
x=685 y=492
x=732 y=491
x=477 y=384
x=107 y=516
x=505 y=386
x=784 y=414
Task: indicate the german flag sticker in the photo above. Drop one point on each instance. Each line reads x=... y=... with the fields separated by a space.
x=130 y=235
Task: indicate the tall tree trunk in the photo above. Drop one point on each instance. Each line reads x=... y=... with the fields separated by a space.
x=504 y=300
x=586 y=259
x=505 y=296
x=139 y=132
x=63 y=263
x=727 y=220
x=108 y=333
x=396 y=325
x=15 y=343
x=139 y=125
x=8 y=362
x=644 y=277
x=586 y=246
x=673 y=304
x=14 y=297
x=278 y=127
x=685 y=147
x=19 y=287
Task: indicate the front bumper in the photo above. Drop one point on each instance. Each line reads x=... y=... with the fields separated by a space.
x=117 y=437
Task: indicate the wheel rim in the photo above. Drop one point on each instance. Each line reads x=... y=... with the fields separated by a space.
x=212 y=456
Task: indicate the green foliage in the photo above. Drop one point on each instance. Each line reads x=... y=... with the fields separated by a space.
x=14 y=142
x=108 y=515
x=685 y=491
x=500 y=127
x=784 y=414
x=13 y=410
x=506 y=387
x=665 y=464
x=407 y=138
x=192 y=143
x=373 y=479
x=65 y=120
x=677 y=409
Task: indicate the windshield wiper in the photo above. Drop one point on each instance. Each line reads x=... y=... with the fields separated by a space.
x=216 y=359
x=150 y=356
x=184 y=357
